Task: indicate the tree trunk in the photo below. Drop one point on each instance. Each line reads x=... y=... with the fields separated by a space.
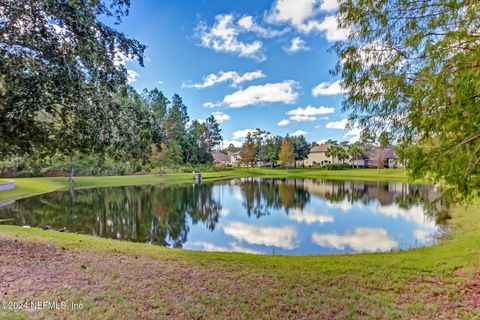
x=71 y=179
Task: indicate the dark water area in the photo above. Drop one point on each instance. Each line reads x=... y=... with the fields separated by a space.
x=265 y=216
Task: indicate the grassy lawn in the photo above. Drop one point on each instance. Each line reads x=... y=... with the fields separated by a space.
x=123 y=280
x=27 y=187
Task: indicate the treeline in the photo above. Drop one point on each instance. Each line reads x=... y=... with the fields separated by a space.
x=150 y=134
x=262 y=148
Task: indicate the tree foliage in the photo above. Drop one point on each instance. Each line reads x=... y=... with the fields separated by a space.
x=59 y=73
x=412 y=68
x=287 y=154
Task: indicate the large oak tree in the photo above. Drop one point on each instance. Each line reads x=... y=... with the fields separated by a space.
x=60 y=69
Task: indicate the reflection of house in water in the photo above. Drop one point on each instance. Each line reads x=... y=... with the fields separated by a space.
x=385 y=193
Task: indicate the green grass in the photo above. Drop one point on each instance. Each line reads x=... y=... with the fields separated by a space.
x=27 y=187
x=423 y=283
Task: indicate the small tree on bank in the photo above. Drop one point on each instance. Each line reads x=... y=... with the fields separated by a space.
x=248 y=152
x=286 y=156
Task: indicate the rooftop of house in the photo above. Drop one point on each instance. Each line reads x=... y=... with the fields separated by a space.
x=387 y=153
x=321 y=147
x=220 y=157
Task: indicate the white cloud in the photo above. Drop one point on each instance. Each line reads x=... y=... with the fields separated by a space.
x=240 y=134
x=283 y=92
x=223 y=37
x=248 y=24
x=296 y=45
x=302 y=14
x=328 y=89
x=322 y=141
x=211 y=104
x=329 y=27
x=353 y=135
x=283 y=122
x=311 y=111
x=220 y=116
x=132 y=76
x=282 y=237
x=309 y=217
x=160 y=82
x=329 y=5
x=234 y=77
x=302 y=118
x=299 y=133
x=341 y=124
x=293 y=11
x=363 y=239
x=308 y=113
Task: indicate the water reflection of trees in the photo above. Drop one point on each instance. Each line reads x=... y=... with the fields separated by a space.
x=262 y=195
x=402 y=194
x=152 y=214
x=162 y=214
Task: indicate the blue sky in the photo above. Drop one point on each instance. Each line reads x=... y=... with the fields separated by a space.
x=252 y=63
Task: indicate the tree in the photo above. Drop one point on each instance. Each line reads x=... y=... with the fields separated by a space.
x=59 y=73
x=287 y=155
x=412 y=67
x=355 y=151
x=177 y=102
x=248 y=152
x=175 y=124
x=332 y=151
x=132 y=136
x=157 y=105
x=301 y=148
x=231 y=148
x=271 y=149
x=384 y=140
x=214 y=133
x=258 y=138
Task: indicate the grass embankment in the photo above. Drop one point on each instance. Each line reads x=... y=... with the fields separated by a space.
x=123 y=280
x=27 y=187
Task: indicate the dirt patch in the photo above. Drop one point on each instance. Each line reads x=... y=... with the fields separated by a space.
x=119 y=286
x=459 y=297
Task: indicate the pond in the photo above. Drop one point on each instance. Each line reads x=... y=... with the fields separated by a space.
x=253 y=215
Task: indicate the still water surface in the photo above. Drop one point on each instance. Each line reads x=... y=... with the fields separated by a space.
x=265 y=216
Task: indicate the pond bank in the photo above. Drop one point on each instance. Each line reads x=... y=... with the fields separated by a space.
x=6 y=185
x=27 y=187
x=122 y=280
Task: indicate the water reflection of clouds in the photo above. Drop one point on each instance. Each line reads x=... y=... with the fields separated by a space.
x=309 y=217
x=206 y=246
x=343 y=205
x=363 y=239
x=414 y=214
x=224 y=212
x=422 y=235
x=282 y=237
